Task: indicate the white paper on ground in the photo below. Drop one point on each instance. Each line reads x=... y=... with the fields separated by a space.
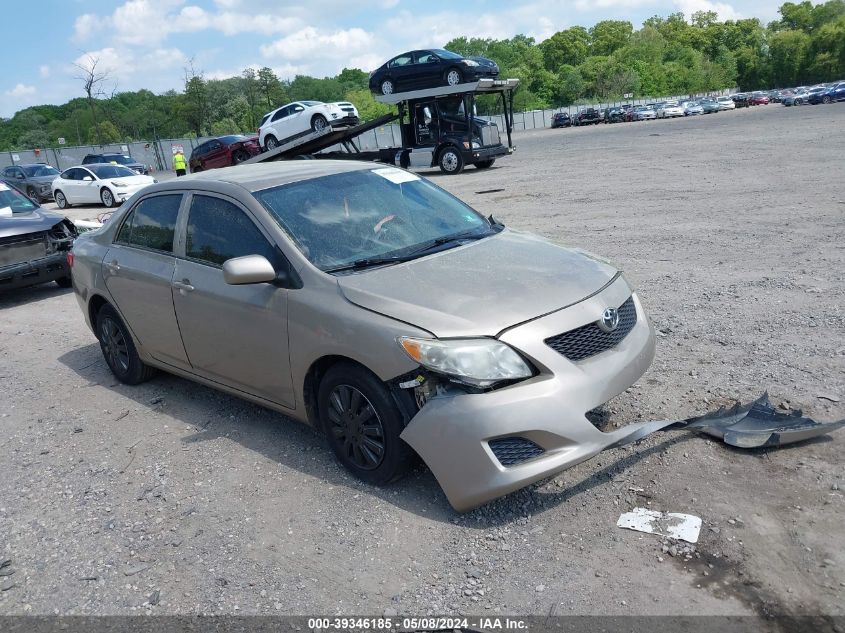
x=684 y=527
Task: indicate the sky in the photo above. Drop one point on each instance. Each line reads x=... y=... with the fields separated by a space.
x=147 y=43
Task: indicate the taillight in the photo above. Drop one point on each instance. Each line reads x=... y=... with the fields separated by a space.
x=70 y=259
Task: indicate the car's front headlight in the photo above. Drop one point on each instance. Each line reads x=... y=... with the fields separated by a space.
x=481 y=362
x=118 y=184
x=471 y=62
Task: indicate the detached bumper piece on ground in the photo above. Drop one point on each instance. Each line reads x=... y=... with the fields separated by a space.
x=755 y=425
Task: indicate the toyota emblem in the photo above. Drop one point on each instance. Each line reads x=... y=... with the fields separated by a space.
x=609 y=320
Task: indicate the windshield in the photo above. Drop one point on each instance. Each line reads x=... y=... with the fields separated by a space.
x=13 y=201
x=111 y=171
x=343 y=218
x=440 y=52
x=34 y=171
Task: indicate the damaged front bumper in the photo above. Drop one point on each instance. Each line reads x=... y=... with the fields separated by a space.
x=481 y=446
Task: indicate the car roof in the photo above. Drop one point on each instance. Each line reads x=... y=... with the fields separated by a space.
x=258 y=176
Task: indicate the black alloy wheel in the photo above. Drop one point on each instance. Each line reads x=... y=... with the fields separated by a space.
x=354 y=423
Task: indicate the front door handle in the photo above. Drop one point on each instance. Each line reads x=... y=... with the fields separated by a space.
x=113 y=266
x=183 y=286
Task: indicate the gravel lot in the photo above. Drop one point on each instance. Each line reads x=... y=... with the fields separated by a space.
x=173 y=498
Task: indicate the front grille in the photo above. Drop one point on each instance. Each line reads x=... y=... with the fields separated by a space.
x=490 y=135
x=589 y=340
x=514 y=450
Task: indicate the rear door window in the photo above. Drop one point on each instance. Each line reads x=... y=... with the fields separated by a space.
x=152 y=224
x=218 y=230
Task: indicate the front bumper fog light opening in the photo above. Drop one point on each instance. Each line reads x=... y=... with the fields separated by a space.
x=511 y=451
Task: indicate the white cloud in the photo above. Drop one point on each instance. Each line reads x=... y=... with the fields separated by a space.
x=310 y=42
x=86 y=25
x=20 y=90
x=44 y=71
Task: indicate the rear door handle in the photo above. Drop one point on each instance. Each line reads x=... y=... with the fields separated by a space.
x=183 y=286
x=113 y=267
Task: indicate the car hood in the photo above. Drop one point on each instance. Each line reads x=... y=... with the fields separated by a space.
x=481 y=288
x=32 y=222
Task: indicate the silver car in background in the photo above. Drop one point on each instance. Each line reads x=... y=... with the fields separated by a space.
x=370 y=303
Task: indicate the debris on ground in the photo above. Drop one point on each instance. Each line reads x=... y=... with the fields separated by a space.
x=684 y=527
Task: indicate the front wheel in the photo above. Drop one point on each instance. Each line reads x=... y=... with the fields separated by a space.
x=239 y=156
x=119 y=350
x=32 y=195
x=454 y=77
x=362 y=424
x=450 y=161
x=825 y=99
x=319 y=123
x=485 y=164
x=107 y=197
x=61 y=201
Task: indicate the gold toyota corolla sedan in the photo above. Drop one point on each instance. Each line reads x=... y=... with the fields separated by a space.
x=370 y=303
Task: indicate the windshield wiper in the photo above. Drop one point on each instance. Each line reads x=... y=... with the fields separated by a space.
x=424 y=248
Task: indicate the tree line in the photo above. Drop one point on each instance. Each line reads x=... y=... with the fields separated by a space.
x=666 y=56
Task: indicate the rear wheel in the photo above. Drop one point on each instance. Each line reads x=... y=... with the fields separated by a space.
x=450 y=161
x=61 y=201
x=107 y=197
x=119 y=350
x=270 y=142
x=454 y=77
x=387 y=87
x=319 y=123
x=362 y=424
x=825 y=99
x=64 y=282
x=239 y=156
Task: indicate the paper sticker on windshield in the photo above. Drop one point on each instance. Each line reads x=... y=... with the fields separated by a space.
x=6 y=212
x=396 y=176
x=3 y=187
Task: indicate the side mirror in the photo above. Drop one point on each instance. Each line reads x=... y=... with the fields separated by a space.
x=427 y=116
x=250 y=269
x=88 y=179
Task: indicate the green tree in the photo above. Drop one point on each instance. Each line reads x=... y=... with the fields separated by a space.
x=608 y=36
x=571 y=85
x=788 y=52
x=567 y=47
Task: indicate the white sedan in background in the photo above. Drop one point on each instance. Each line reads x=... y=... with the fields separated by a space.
x=669 y=109
x=99 y=183
x=300 y=117
x=726 y=103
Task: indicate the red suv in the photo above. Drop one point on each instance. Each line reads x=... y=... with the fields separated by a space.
x=223 y=152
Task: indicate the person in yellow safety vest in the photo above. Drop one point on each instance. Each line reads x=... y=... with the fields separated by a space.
x=179 y=163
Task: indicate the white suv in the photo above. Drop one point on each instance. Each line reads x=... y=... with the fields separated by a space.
x=300 y=117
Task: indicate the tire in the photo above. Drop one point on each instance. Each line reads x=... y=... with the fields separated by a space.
x=454 y=77
x=450 y=160
x=319 y=122
x=362 y=424
x=270 y=142
x=239 y=156
x=32 y=195
x=825 y=100
x=119 y=349
x=61 y=201
x=107 y=197
x=64 y=282
x=485 y=164
x=387 y=87
x=797 y=102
